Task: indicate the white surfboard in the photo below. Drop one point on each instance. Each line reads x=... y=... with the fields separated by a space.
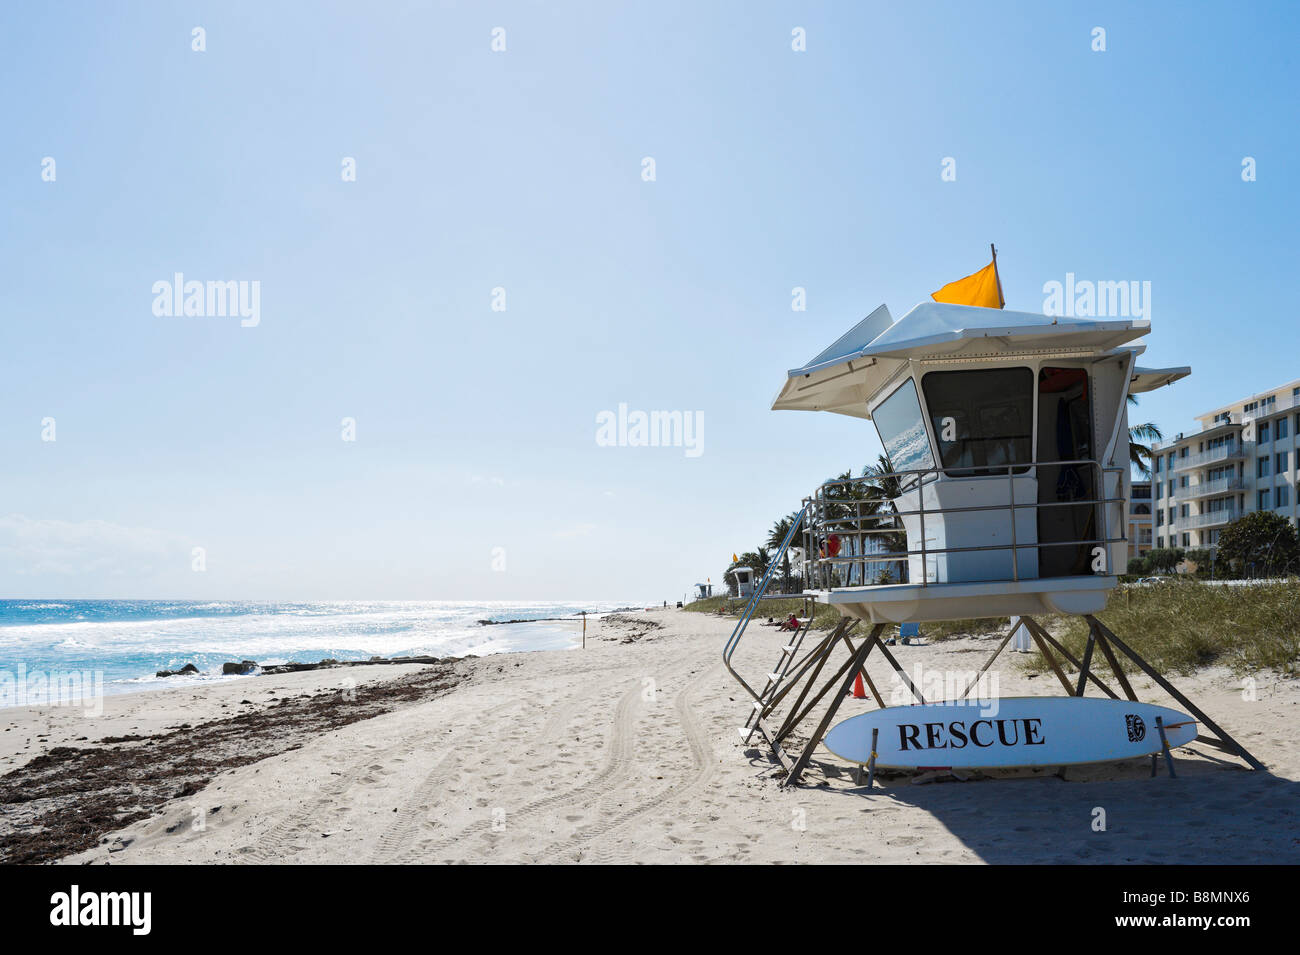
x=1012 y=732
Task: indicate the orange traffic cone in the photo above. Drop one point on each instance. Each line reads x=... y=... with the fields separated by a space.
x=859 y=691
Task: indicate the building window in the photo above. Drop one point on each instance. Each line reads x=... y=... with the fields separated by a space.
x=1187 y=540
x=1157 y=464
x=1160 y=517
x=1261 y=466
x=1281 y=428
x=1263 y=433
x=1280 y=466
x=1283 y=496
x=1261 y=501
x=1183 y=511
x=1171 y=489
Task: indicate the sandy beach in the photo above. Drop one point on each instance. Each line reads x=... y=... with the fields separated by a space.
x=627 y=751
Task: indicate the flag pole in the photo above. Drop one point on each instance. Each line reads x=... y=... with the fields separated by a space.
x=1002 y=301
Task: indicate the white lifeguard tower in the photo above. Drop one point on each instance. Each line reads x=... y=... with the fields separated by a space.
x=703 y=591
x=744 y=581
x=1007 y=436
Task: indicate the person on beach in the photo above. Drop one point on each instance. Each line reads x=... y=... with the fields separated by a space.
x=791 y=624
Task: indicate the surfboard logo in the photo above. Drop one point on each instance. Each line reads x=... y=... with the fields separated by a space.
x=1137 y=730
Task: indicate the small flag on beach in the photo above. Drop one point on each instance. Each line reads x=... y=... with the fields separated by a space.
x=982 y=288
x=735 y=559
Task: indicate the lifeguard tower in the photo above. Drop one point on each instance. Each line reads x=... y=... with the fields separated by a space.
x=744 y=581
x=1007 y=436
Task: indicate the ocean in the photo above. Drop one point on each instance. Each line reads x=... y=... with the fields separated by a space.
x=128 y=641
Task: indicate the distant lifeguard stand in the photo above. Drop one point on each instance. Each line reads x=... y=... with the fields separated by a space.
x=744 y=581
x=703 y=591
x=1007 y=436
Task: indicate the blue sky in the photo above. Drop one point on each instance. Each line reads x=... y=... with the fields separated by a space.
x=522 y=169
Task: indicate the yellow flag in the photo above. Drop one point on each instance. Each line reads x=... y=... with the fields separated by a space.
x=735 y=559
x=982 y=289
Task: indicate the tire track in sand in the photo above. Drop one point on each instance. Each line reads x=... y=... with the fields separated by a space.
x=277 y=843
x=705 y=767
x=618 y=764
x=395 y=843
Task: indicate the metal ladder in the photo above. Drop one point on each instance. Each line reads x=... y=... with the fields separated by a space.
x=761 y=700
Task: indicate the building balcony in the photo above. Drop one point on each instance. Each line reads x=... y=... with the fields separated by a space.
x=1214 y=456
x=1213 y=519
x=1212 y=488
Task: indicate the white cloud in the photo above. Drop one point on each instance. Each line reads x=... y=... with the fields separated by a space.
x=38 y=547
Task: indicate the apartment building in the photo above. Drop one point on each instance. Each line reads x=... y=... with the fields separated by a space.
x=1141 y=520
x=1242 y=459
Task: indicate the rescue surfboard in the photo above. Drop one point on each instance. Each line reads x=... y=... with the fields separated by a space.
x=1020 y=731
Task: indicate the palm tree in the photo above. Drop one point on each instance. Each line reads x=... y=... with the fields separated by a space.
x=884 y=487
x=775 y=538
x=844 y=503
x=1139 y=452
x=884 y=484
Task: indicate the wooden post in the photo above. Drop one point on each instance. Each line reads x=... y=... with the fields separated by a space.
x=855 y=663
x=987 y=663
x=584 y=630
x=790 y=719
x=1087 y=662
x=894 y=663
x=880 y=701
x=1047 y=655
x=871 y=766
x=1169 y=688
x=1164 y=745
x=1035 y=626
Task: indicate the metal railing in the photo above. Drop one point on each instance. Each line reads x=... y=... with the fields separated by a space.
x=1214 y=455
x=1210 y=488
x=729 y=649
x=863 y=514
x=1225 y=516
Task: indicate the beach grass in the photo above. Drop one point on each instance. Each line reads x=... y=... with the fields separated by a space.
x=825 y=617
x=1181 y=626
x=1178 y=626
